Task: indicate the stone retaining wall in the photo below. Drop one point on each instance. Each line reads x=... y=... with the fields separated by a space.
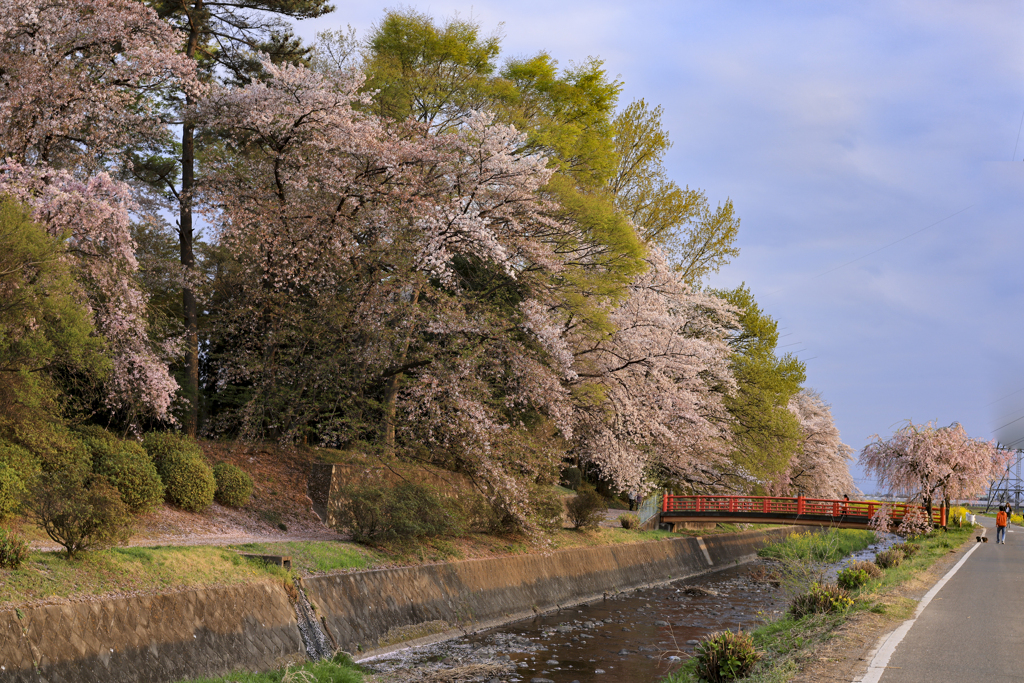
x=197 y=633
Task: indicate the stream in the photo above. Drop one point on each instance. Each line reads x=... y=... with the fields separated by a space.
x=639 y=635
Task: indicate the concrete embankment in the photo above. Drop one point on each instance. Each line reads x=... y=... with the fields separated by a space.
x=208 y=632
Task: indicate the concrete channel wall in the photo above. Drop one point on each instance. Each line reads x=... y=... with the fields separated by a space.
x=186 y=634
x=430 y=602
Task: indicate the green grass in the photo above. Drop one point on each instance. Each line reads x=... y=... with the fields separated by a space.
x=127 y=570
x=342 y=671
x=828 y=546
x=786 y=640
x=315 y=557
x=933 y=547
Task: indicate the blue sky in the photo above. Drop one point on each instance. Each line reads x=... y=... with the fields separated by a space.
x=837 y=129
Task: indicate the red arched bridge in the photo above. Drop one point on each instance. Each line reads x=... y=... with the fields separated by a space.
x=847 y=514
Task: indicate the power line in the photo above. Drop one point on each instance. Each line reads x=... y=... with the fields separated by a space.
x=1004 y=397
x=1008 y=424
x=859 y=258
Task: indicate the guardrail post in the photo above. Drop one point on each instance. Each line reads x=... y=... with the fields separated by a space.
x=664 y=503
x=799 y=505
x=943 y=515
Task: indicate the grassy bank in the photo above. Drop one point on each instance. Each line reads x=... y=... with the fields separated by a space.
x=342 y=670
x=50 y=575
x=119 y=571
x=787 y=641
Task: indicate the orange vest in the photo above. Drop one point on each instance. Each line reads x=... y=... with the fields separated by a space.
x=1001 y=518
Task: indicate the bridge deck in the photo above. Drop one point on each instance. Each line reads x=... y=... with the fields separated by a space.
x=773 y=510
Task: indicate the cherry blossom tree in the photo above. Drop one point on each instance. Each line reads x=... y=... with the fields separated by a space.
x=925 y=462
x=649 y=392
x=401 y=247
x=94 y=215
x=820 y=467
x=80 y=79
x=78 y=89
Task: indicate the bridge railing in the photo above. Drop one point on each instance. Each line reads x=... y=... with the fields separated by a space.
x=769 y=505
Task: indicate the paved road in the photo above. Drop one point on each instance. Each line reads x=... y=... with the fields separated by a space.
x=973 y=630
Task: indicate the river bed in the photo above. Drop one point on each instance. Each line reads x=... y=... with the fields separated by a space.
x=640 y=635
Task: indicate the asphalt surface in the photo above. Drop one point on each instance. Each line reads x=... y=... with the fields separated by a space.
x=973 y=629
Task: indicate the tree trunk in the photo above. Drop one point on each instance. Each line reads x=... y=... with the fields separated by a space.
x=391 y=392
x=188 y=259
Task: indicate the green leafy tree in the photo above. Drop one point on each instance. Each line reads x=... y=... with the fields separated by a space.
x=52 y=360
x=697 y=239
x=766 y=434
x=434 y=74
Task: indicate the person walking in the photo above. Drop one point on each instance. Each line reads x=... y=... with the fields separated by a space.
x=1002 y=519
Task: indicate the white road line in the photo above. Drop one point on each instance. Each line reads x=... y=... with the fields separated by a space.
x=887 y=646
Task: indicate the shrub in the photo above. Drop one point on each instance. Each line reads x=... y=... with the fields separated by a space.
x=957 y=515
x=13 y=550
x=234 y=486
x=24 y=464
x=852 y=579
x=79 y=510
x=889 y=559
x=725 y=656
x=572 y=478
x=881 y=520
x=128 y=467
x=1017 y=519
x=381 y=512
x=55 y=447
x=134 y=477
x=585 y=508
x=546 y=508
x=161 y=445
x=908 y=549
x=914 y=523
x=821 y=599
x=629 y=521
x=189 y=480
x=12 y=491
x=870 y=567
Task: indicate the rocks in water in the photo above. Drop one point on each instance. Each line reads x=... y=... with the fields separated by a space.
x=541 y=680
x=698 y=590
x=599 y=671
x=659 y=622
x=552 y=662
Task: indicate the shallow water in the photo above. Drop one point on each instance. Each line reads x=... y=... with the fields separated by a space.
x=641 y=635
x=636 y=636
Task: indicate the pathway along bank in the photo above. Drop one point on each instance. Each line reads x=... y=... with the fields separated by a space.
x=214 y=631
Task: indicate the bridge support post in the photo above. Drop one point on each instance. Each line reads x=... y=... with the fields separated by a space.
x=799 y=505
